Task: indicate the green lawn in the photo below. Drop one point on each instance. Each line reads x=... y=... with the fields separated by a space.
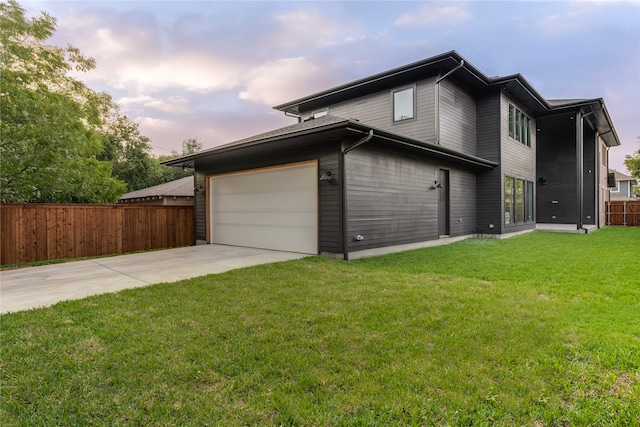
x=537 y=330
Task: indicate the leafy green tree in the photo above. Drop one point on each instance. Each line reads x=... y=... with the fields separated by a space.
x=50 y=123
x=128 y=150
x=169 y=173
x=632 y=162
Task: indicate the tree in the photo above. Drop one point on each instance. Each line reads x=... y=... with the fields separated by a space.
x=50 y=123
x=169 y=173
x=128 y=150
x=632 y=162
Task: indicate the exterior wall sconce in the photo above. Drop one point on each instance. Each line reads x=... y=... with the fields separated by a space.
x=542 y=180
x=326 y=176
x=197 y=188
x=436 y=184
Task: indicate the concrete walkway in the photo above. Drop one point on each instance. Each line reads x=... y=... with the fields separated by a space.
x=25 y=288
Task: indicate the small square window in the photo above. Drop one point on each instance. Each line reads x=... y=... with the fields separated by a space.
x=403 y=104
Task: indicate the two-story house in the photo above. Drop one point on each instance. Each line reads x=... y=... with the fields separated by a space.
x=426 y=153
x=622 y=188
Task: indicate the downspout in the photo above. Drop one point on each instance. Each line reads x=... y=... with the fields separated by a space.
x=608 y=221
x=579 y=169
x=580 y=166
x=343 y=173
x=359 y=143
x=437 y=106
x=596 y=169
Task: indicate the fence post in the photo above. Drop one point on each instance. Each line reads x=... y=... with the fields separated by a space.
x=624 y=213
x=608 y=213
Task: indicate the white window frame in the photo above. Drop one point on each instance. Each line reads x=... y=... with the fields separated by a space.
x=413 y=104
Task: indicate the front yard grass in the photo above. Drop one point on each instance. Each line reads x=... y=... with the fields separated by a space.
x=540 y=330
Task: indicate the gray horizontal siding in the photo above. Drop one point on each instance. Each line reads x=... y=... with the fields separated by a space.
x=457 y=118
x=517 y=160
x=389 y=202
x=377 y=110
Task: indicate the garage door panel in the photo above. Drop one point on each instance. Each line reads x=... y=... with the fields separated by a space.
x=249 y=219
x=282 y=238
x=270 y=208
x=268 y=200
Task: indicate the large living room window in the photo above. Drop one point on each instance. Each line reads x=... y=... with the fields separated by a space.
x=403 y=104
x=518 y=201
x=519 y=126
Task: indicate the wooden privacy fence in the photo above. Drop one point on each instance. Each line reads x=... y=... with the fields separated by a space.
x=37 y=232
x=623 y=213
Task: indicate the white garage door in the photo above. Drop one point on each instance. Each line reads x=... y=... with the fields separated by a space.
x=272 y=208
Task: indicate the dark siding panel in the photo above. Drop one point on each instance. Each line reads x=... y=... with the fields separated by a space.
x=457 y=118
x=556 y=200
x=463 y=202
x=589 y=176
x=329 y=215
x=200 y=207
x=489 y=196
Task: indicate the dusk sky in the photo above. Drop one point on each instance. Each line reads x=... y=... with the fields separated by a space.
x=212 y=70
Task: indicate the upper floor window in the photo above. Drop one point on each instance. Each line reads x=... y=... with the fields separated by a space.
x=403 y=104
x=519 y=126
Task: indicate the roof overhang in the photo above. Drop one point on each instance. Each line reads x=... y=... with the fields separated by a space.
x=307 y=132
x=594 y=112
x=439 y=65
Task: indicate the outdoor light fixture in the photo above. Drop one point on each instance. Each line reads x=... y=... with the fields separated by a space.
x=436 y=184
x=327 y=177
x=542 y=180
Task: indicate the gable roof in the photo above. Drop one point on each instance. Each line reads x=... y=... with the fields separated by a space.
x=622 y=177
x=182 y=187
x=331 y=123
x=433 y=66
x=519 y=88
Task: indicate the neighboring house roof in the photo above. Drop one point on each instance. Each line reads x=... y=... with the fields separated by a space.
x=182 y=187
x=330 y=122
x=622 y=177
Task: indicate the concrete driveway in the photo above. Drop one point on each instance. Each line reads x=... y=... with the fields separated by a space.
x=31 y=287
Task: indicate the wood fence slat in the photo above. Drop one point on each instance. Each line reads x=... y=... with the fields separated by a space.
x=623 y=213
x=38 y=232
x=8 y=252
